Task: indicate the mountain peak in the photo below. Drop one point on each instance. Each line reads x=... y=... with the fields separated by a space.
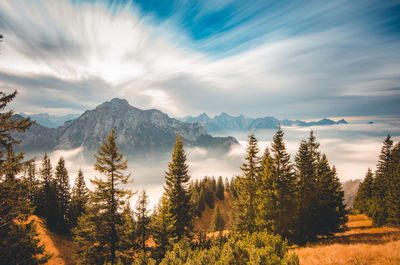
x=115 y=103
x=119 y=102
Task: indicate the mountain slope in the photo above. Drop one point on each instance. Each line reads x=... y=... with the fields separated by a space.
x=138 y=131
x=50 y=121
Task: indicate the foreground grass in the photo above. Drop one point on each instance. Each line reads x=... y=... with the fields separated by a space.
x=362 y=244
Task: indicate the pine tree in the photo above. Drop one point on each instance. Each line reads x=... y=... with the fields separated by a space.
x=178 y=195
x=63 y=195
x=47 y=204
x=267 y=199
x=307 y=201
x=220 y=189
x=161 y=228
x=129 y=236
x=393 y=193
x=142 y=220
x=380 y=207
x=104 y=216
x=18 y=242
x=286 y=187
x=330 y=201
x=217 y=221
x=79 y=200
x=245 y=204
x=29 y=168
x=209 y=197
x=365 y=194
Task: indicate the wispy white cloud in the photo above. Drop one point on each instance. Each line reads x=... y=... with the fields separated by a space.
x=64 y=57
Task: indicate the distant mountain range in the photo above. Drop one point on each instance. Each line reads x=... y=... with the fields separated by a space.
x=226 y=122
x=139 y=132
x=50 y=121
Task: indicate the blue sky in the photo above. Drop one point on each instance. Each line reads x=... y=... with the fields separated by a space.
x=289 y=59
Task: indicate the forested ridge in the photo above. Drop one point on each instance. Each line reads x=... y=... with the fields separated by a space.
x=275 y=203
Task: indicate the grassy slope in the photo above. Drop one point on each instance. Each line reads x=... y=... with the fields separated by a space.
x=203 y=223
x=362 y=244
x=60 y=245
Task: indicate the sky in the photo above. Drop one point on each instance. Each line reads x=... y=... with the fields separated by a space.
x=288 y=59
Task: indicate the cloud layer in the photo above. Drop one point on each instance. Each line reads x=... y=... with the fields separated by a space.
x=307 y=59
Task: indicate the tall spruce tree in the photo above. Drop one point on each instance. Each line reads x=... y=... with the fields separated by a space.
x=178 y=194
x=79 y=200
x=308 y=213
x=220 y=189
x=393 y=193
x=47 y=203
x=18 y=237
x=267 y=195
x=286 y=187
x=142 y=220
x=381 y=185
x=245 y=204
x=161 y=228
x=104 y=216
x=29 y=169
x=365 y=194
x=330 y=198
x=63 y=195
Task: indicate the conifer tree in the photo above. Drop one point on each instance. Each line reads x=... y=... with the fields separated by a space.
x=286 y=187
x=161 y=228
x=63 y=195
x=380 y=207
x=142 y=220
x=104 y=215
x=30 y=177
x=129 y=236
x=178 y=195
x=207 y=183
x=307 y=201
x=217 y=221
x=245 y=204
x=330 y=201
x=220 y=189
x=47 y=203
x=365 y=194
x=79 y=200
x=393 y=194
x=18 y=242
x=267 y=191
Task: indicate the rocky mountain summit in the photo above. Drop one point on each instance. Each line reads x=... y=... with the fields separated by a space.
x=138 y=131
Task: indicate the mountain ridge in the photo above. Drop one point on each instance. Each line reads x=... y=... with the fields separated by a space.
x=49 y=120
x=138 y=131
x=226 y=122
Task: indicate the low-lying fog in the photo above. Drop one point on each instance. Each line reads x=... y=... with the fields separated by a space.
x=352 y=148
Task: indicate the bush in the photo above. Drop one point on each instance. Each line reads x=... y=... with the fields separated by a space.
x=258 y=248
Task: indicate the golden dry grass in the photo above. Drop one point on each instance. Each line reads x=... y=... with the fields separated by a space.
x=60 y=246
x=361 y=244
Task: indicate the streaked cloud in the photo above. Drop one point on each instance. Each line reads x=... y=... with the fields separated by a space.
x=303 y=59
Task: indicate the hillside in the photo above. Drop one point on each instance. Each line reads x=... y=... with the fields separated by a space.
x=361 y=244
x=203 y=223
x=59 y=245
